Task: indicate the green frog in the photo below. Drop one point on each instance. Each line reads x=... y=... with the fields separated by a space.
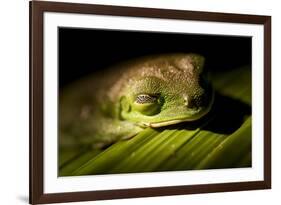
x=119 y=102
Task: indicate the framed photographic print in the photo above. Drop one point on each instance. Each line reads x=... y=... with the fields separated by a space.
x=134 y=102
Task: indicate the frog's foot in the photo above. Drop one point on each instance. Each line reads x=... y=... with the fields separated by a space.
x=108 y=142
x=128 y=134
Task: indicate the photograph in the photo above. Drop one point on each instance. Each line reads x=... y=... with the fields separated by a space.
x=130 y=102
x=136 y=101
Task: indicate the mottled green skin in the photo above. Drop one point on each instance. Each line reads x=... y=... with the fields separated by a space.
x=105 y=107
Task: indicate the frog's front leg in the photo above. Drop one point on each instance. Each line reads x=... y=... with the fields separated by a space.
x=110 y=131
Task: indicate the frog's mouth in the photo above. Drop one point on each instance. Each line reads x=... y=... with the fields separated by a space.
x=166 y=123
x=199 y=114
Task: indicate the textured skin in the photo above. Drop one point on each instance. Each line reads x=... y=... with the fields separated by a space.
x=103 y=108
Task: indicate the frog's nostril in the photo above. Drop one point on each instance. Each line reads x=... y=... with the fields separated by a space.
x=190 y=102
x=196 y=101
x=185 y=100
x=193 y=103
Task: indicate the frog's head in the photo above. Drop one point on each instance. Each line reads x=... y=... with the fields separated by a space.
x=166 y=90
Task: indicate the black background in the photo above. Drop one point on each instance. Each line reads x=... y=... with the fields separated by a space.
x=82 y=51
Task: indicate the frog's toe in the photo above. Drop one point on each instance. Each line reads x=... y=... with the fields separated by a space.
x=126 y=137
x=101 y=145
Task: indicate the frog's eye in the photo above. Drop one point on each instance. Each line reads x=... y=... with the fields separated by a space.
x=147 y=104
x=144 y=98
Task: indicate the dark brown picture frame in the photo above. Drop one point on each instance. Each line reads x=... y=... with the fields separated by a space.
x=37 y=8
